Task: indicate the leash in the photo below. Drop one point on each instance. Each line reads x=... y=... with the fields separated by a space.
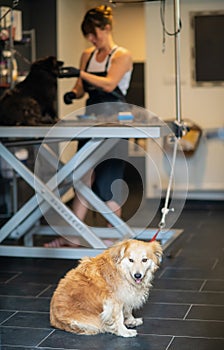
x=165 y=210
x=155 y=235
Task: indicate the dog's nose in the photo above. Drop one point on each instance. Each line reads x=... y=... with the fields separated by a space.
x=137 y=275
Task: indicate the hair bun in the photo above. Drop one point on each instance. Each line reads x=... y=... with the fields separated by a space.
x=105 y=10
x=97 y=17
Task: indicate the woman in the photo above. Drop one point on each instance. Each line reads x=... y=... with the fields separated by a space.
x=105 y=68
x=105 y=73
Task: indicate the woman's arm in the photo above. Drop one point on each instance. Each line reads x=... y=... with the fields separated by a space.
x=78 y=88
x=121 y=63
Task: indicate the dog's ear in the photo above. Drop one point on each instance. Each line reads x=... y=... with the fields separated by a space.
x=157 y=251
x=48 y=64
x=117 y=251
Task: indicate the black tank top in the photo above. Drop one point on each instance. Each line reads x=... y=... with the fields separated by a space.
x=96 y=94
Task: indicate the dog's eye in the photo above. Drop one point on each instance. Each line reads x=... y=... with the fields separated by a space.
x=144 y=260
x=131 y=260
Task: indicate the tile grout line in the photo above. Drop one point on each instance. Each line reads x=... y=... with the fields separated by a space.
x=182 y=303
x=23 y=297
x=189 y=238
x=204 y=320
x=182 y=319
x=179 y=252
x=162 y=273
x=190 y=291
x=215 y=264
x=202 y=285
x=163 y=318
x=14 y=313
x=37 y=346
x=13 y=277
x=44 y=290
x=191 y=279
x=199 y=225
x=189 y=309
x=171 y=341
x=26 y=311
x=182 y=336
x=25 y=327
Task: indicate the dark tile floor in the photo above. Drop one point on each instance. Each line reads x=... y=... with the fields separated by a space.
x=185 y=309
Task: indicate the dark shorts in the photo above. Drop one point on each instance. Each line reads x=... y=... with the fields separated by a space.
x=106 y=174
x=105 y=184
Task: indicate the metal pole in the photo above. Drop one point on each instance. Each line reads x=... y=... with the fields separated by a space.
x=177 y=58
x=11 y=47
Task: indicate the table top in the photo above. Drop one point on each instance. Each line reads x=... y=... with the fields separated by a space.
x=78 y=132
x=77 y=127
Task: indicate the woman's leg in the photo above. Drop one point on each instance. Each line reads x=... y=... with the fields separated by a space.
x=116 y=209
x=80 y=208
x=105 y=174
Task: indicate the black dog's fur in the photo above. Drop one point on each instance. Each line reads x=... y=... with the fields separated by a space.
x=33 y=101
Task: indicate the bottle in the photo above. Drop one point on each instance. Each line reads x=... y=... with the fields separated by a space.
x=3 y=73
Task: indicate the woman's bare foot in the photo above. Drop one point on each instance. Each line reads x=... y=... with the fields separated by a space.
x=74 y=242
x=63 y=242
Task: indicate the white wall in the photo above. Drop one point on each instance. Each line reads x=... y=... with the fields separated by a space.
x=70 y=44
x=203 y=105
x=129 y=29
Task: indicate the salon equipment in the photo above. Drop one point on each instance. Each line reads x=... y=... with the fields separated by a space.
x=103 y=137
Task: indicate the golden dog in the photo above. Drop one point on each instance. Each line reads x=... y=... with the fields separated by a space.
x=99 y=295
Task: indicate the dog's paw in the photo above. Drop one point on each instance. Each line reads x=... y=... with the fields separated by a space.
x=138 y=321
x=134 y=322
x=128 y=333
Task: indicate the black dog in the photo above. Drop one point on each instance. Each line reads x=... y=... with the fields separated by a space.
x=33 y=101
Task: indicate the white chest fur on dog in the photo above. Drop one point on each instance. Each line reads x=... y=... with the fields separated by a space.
x=100 y=294
x=134 y=295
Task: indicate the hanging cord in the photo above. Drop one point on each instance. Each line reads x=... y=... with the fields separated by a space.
x=163 y=21
x=165 y=210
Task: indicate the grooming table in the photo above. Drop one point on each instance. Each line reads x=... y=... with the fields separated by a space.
x=103 y=136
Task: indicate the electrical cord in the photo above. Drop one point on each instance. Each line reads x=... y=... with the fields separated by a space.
x=165 y=31
x=162 y=16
